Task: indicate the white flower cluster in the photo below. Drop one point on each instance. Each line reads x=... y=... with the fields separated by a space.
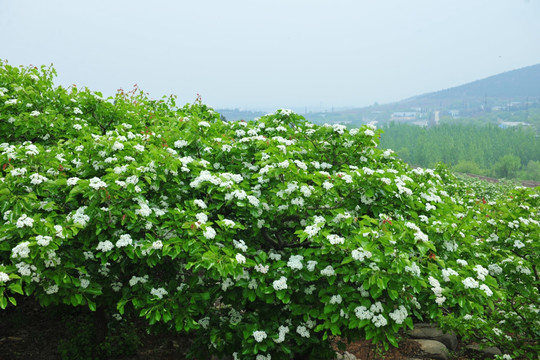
x=22 y=250
x=399 y=315
x=302 y=331
x=259 y=335
x=96 y=183
x=241 y=259
x=470 y=283
x=446 y=273
x=36 y=179
x=43 y=240
x=437 y=290
x=124 y=241
x=159 y=292
x=25 y=220
x=413 y=269
x=4 y=277
x=282 y=331
x=295 y=262
x=328 y=271
x=361 y=254
x=105 y=246
x=263 y=269
x=481 y=272
x=280 y=284
x=335 y=239
x=79 y=217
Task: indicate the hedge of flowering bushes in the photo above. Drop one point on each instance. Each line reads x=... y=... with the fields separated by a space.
x=262 y=239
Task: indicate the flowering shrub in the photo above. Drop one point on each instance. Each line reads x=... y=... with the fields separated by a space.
x=262 y=238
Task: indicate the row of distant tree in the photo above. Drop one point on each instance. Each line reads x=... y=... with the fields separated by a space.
x=512 y=153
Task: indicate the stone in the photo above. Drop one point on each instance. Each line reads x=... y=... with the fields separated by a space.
x=491 y=351
x=346 y=356
x=432 y=332
x=433 y=349
x=425 y=331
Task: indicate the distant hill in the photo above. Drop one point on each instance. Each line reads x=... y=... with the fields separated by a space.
x=510 y=85
x=509 y=91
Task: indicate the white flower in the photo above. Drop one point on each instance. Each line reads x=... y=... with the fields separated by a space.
x=470 y=283
x=24 y=220
x=180 y=143
x=283 y=330
x=259 y=336
x=328 y=271
x=18 y=172
x=360 y=254
x=204 y=123
x=336 y=299
x=486 y=289
x=240 y=258
x=157 y=245
x=52 y=289
x=413 y=269
x=379 y=320
x=481 y=272
x=446 y=273
x=363 y=313
x=96 y=183
x=35 y=113
x=263 y=269
x=200 y=203
x=311 y=231
x=37 y=179
x=518 y=244
x=4 y=277
x=209 y=233
x=462 y=262
x=335 y=239
x=105 y=246
x=399 y=315
x=43 y=240
x=77 y=127
x=117 y=146
x=295 y=262
x=369 y=132
x=22 y=250
x=280 y=284
x=139 y=148
x=327 y=185
x=159 y=292
x=302 y=331
x=72 y=181
x=125 y=240
x=311 y=265
x=440 y=300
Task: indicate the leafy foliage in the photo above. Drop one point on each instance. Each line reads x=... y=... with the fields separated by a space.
x=262 y=239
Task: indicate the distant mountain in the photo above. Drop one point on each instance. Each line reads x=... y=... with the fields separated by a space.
x=509 y=91
x=510 y=85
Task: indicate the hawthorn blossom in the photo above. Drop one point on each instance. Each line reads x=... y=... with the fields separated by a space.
x=4 y=277
x=124 y=240
x=241 y=259
x=105 y=246
x=259 y=336
x=96 y=183
x=280 y=284
x=25 y=220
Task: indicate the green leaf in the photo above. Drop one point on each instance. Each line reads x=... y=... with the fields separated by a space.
x=16 y=287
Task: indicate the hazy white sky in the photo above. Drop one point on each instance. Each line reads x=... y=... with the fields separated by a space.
x=272 y=53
